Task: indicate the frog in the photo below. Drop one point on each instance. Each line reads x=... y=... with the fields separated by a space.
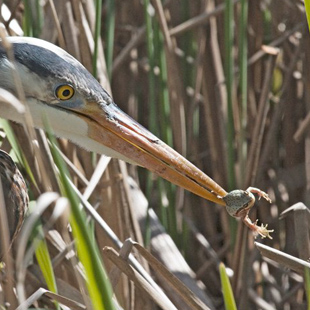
x=239 y=203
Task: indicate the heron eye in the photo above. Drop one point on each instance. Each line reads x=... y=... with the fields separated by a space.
x=64 y=92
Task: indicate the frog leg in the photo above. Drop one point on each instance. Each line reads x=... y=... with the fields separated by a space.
x=257 y=230
x=259 y=192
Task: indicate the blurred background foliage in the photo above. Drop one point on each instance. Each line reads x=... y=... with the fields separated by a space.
x=223 y=82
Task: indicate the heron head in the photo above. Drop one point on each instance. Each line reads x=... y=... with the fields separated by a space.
x=77 y=107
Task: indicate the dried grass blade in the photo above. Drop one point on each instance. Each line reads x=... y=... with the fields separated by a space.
x=164 y=248
x=257 y=135
x=61 y=39
x=124 y=54
x=124 y=252
x=184 y=292
x=97 y=174
x=198 y=20
x=301 y=224
x=175 y=85
x=103 y=225
x=43 y=292
x=70 y=32
x=160 y=299
x=282 y=258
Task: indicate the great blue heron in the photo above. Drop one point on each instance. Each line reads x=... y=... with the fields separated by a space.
x=59 y=88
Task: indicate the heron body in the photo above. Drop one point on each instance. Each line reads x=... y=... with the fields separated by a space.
x=14 y=192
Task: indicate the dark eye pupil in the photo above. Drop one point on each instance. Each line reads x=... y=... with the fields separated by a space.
x=66 y=93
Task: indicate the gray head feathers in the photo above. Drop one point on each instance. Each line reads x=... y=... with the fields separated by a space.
x=50 y=63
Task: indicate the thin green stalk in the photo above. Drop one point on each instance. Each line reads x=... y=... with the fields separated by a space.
x=151 y=76
x=243 y=47
x=228 y=295
x=148 y=230
x=153 y=120
x=97 y=35
x=307 y=6
x=187 y=45
x=168 y=189
x=229 y=73
x=307 y=286
x=307 y=273
x=167 y=208
x=164 y=105
x=151 y=87
x=27 y=21
x=45 y=263
x=165 y=215
x=110 y=29
x=38 y=21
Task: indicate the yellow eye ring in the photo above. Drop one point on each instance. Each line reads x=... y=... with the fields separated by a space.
x=64 y=92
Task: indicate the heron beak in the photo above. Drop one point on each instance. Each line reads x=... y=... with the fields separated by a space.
x=110 y=126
